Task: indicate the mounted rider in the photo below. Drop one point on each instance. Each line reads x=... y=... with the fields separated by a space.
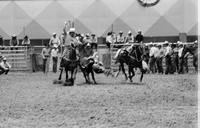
x=137 y=47
x=70 y=40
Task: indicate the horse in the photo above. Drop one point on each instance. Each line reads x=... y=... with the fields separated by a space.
x=133 y=58
x=69 y=63
x=87 y=62
x=193 y=50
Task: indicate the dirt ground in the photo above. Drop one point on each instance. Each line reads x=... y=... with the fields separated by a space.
x=31 y=100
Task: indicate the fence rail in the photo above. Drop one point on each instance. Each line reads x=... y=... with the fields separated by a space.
x=20 y=60
x=17 y=56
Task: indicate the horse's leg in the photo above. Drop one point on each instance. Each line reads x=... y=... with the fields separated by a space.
x=72 y=76
x=131 y=73
x=83 y=70
x=195 y=63
x=75 y=72
x=123 y=70
x=142 y=73
x=88 y=77
x=117 y=73
x=93 y=78
x=66 y=71
x=60 y=76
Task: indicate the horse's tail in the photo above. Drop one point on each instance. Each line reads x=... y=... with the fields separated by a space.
x=145 y=66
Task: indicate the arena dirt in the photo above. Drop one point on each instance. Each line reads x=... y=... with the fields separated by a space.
x=30 y=100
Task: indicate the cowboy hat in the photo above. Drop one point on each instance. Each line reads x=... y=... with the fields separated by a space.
x=4 y=59
x=72 y=30
x=129 y=32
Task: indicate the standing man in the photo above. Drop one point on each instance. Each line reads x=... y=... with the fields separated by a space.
x=175 y=57
x=168 y=61
x=1 y=42
x=14 y=42
x=54 y=55
x=87 y=39
x=26 y=41
x=152 y=61
x=94 y=41
x=45 y=56
x=54 y=41
x=129 y=38
x=109 y=39
x=139 y=37
x=159 y=59
x=120 y=40
x=181 y=57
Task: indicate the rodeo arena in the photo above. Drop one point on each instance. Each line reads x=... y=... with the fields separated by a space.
x=98 y=64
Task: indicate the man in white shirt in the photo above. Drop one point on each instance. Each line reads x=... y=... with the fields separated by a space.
x=54 y=41
x=54 y=55
x=159 y=58
x=87 y=39
x=129 y=38
x=120 y=40
x=70 y=39
x=181 y=58
x=109 y=39
x=168 y=53
x=152 y=55
x=4 y=66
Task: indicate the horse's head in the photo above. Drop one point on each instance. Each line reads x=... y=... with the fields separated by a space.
x=124 y=53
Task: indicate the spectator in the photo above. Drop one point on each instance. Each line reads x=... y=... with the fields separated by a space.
x=4 y=66
x=62 y=38
x=159 y=59
x=139 y=37
x=94 y=41
x=1 y=43
x=146 y=54
x=45 y=56
x=87 y=39
x=26 y=41
x=109 y=39
x=120 y=40
x=152 y=55
x=168 y=53
x=14 y=41
x=175 y=64
x=54 y=54
x=54 y=41
x=181 y=58
x=129 y=38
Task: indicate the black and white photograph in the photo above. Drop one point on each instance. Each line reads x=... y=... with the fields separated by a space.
x=99 y=63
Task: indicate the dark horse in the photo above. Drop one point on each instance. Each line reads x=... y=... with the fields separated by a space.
x=87 y=62
x=69 y=63
x=133 y=58
x=193 y=50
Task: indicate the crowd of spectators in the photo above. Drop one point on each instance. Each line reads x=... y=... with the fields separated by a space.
x=154 y=54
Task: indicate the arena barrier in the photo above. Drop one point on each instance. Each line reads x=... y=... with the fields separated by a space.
x=18 y=57
x=24 y=58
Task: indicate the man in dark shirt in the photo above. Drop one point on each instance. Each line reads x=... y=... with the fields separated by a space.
x=1 y=43
x=139 y=37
